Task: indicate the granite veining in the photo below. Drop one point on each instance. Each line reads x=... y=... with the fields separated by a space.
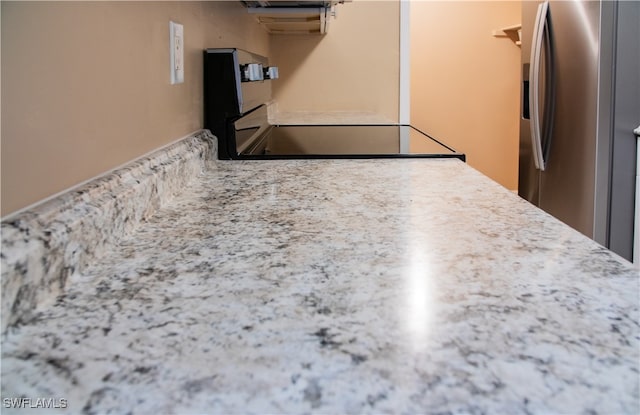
x=43 y=246
x=339 y=286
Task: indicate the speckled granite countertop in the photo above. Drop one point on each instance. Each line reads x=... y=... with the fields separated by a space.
x=340 y=286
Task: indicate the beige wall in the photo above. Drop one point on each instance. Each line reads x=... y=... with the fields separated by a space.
x=353 y=68
x=465 y=83
x=86 y=87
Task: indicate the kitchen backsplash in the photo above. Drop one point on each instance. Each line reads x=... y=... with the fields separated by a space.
x=43 y=246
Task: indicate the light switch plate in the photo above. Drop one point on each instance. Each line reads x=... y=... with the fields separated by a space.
x=176 y=46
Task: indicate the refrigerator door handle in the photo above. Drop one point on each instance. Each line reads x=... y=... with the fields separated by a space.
x=534 y=84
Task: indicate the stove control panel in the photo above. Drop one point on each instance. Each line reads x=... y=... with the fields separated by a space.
x=236 y=82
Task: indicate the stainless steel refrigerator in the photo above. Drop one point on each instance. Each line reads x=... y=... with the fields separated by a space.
x=580 y=105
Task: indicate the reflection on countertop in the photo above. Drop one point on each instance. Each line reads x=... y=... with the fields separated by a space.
x=339 y=286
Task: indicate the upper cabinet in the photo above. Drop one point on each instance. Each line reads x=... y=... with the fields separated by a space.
x=294 y=17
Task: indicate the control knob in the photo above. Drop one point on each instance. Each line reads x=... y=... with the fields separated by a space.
x=270 y=72
x=251 y=72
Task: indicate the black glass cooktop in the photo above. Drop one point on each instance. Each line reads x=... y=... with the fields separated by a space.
x=255 y=139
x=339 y=141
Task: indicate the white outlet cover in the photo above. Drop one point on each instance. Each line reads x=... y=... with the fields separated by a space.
x=176 y=52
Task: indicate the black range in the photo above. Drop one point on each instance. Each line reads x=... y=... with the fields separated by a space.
x=236 y=93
